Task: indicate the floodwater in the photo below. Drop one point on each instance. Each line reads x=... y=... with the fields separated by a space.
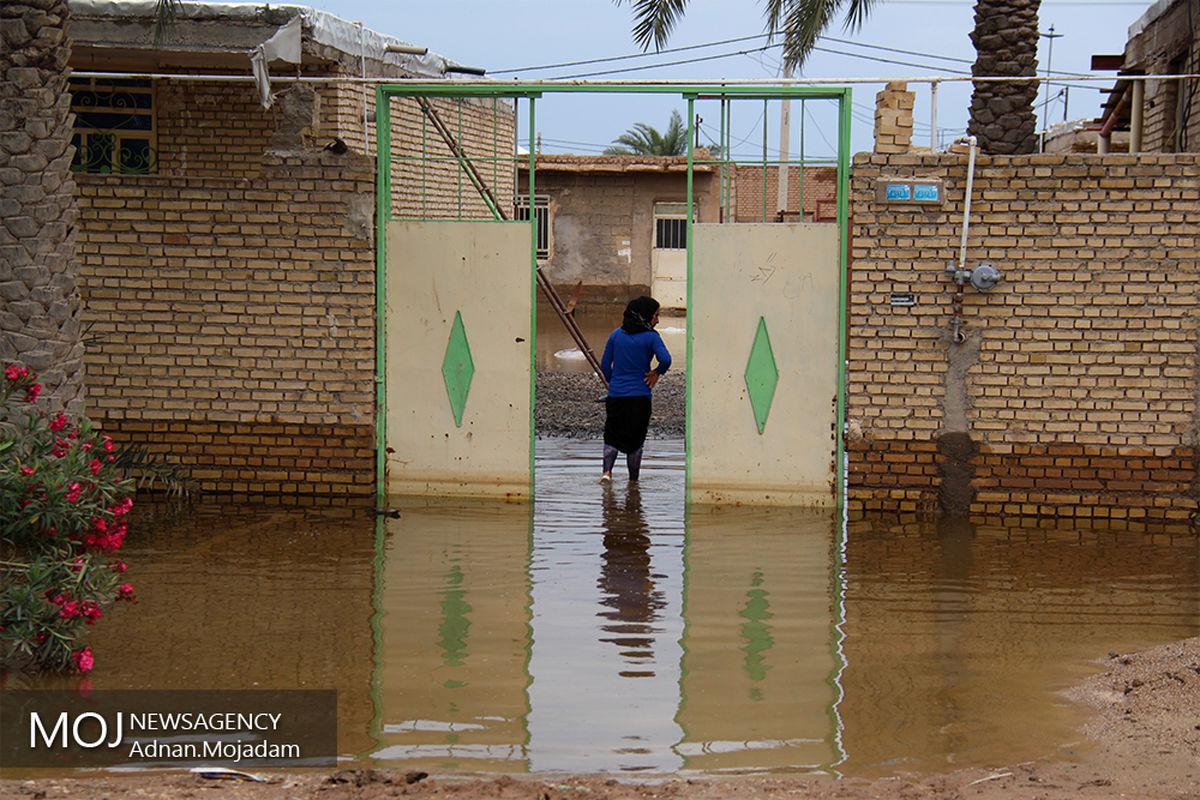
x=557 y=351
x=608 y=629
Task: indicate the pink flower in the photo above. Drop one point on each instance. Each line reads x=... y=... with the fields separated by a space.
x=15 y=373
x=91 y=613
x=125 y=592
x=58 y=423
x=26 y=470
x=119 y=566
x=31 y=394
x=108 y=444
x=83 y=660
x=94 y=465
x=70 y=610
x=73 y=492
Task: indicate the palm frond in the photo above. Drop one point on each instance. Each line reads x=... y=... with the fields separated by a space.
x=646 y=140
x=654 y=20
x=164 y=18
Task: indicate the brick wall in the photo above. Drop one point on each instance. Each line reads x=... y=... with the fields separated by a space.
x=815 y=191
x=427 y=181
x=1167 y=45
x=211 y=129
x=235 y=320
x=1074 y=389
x=231 y=293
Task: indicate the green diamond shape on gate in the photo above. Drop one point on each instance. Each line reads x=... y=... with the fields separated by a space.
x=458 y=368
x=761 y=375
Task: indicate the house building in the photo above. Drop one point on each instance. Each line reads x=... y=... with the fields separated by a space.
x=1160 y=115
x=617 y=225
x=226 y=188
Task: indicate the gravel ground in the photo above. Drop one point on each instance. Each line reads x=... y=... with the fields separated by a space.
x=566 y=405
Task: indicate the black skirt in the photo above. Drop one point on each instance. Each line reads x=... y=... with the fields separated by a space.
x=627 y=421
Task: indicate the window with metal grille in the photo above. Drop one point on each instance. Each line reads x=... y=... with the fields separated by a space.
x=670 y=226
x=114 y=125
x=541 y=208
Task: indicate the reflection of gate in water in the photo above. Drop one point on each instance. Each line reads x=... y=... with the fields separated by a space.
x=457 y=268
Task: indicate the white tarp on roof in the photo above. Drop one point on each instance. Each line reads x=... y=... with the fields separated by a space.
x=326 y=29
x=283 y=46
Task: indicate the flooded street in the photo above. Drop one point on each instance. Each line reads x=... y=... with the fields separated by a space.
x=556 y=350
x=608 y=629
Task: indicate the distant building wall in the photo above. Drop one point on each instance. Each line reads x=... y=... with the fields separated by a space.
x=601 y=214
x=1074 y=389
x=814 y=190
x=1164 y=42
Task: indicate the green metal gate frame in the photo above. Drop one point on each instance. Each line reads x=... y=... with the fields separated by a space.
x=422 y=90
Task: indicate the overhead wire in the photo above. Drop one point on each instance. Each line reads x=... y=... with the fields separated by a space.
x=757 y=54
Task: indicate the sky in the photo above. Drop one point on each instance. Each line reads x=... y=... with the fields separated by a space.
x=901 y=39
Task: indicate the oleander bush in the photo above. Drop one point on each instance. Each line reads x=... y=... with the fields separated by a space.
x=64 y=503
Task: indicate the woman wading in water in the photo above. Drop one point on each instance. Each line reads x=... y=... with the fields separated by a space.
x=626 y=366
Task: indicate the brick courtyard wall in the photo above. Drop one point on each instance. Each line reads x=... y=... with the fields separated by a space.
x=815 y=191
x=1073 y=390
x=211 y=129
x=235 y=320
x=231 y=293
x=427 y=181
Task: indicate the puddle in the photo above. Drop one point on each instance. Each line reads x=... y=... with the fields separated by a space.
x=556 y=350
x=606 y=630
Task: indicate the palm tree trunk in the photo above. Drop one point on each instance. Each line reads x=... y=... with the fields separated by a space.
x=1006 y=42
x=39 y=301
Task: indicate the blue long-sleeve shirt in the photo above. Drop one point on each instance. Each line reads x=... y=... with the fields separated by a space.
x=626 y=361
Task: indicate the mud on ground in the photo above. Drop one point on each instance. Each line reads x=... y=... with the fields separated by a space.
x=568 y=404
x=1144 y=743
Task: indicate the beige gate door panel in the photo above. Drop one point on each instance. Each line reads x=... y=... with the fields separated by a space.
x=478 y=272
x=754 y=284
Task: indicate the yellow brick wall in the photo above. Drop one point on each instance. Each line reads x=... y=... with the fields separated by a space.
x=1078 y=373
x=231 y=294
x=235 y=320
x=815 y=191
x=427 y=182
x=213 y=129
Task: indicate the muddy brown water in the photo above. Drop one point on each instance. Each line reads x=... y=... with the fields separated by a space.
x=612 y=630
x=556 y=350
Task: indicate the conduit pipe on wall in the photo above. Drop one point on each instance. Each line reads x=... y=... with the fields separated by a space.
x=972 y=143
x=966 y=223
x=1110 y=122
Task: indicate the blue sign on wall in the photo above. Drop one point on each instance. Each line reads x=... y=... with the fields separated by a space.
x=926 y=191
x=922 y=191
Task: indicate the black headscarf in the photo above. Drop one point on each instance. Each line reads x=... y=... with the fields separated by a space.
x=638 y=314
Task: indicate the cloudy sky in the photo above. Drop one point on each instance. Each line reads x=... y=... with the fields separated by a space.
x=902 y=39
